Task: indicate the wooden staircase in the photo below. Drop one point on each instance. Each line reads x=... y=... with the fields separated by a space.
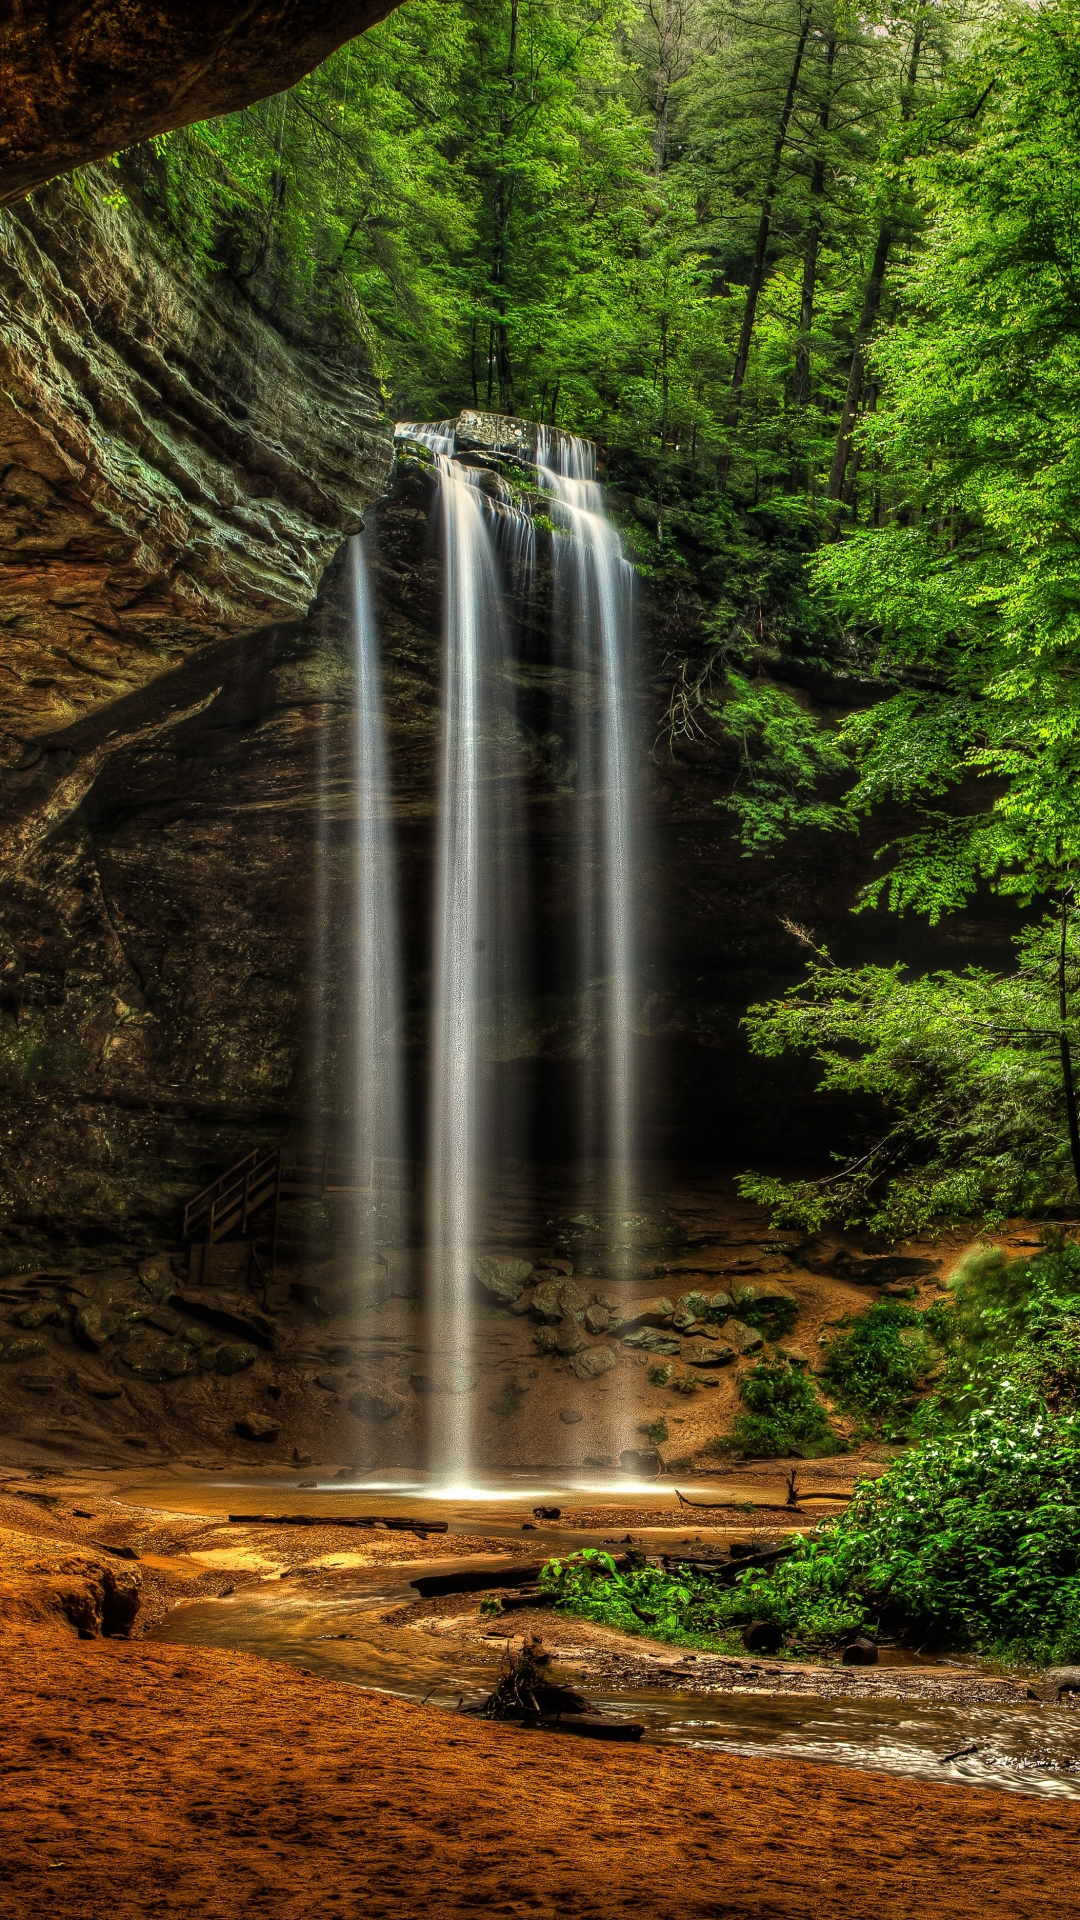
x=268 y=1175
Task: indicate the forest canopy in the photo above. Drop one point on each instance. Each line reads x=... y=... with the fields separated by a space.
x=815 y=270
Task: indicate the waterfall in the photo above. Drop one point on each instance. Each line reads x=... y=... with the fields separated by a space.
x=594 y=599
x=379 y=1125
x=481 y=877
x=474 y=939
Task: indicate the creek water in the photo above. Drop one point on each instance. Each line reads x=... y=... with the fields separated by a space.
x=339 y=1634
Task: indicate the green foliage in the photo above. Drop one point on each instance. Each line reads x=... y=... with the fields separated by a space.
x=965 y=1074
x=881 y=1357
x=657 y=1432
x=783 y=754
x=971 y=1540
x=659 y=1376
x=686 y=1608
x=785 y=1415
x=773 y=1318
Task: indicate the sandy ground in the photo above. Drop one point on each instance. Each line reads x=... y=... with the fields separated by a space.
x=143 y=1779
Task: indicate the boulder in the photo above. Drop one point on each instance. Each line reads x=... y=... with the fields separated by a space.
x=545 y=1339
x=39 y=1313
x=648 y=1313
x=689 y=1309
x=762 y=1636
x=794 y=1356
x=1062 y=1679
x=555 y=1299
x=157 y=1276
x=95 y=1326
x=645 y=1463
x=155 y=1358
x=26 y=1348
x=257 y=1426
x=721 y=1305
x=570 y=1416
x=333 y=1382
x=763 y=1293
x=744 y=1339
x=38 y=1383
x=860 y=1653
x=523 y=1304
x=229 y=1315
x=234 y=1359
x=569 y=1338
x=597 y=1318
x=652 y=1340
x=45 y=1580
x=504 y=1279
x=598 y=1360
x=101 y=1389
x=374 y=1400
x=710 y=1354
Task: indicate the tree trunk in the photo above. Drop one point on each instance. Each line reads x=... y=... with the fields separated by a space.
x=761 y=245
x=800 y=391
x=838 y=488
x=1066 y=1051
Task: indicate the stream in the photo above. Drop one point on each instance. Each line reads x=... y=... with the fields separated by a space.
x=338 y=1635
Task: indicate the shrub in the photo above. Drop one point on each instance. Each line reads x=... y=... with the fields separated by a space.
x=785 y=1415
x=885 y=1354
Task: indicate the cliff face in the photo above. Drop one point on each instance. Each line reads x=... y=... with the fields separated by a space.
x=178 y=470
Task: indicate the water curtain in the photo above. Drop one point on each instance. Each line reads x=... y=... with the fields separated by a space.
x=594 y=604
x=380 y=1132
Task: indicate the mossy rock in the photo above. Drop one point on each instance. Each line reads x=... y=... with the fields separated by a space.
x=231 y=1360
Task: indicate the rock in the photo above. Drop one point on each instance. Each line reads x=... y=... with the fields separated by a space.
x=504 y=1279
x=899 y=1289
x=555 y=1300
x=744 y=1339
x=164 y=1321
x=763 y=1293
x=1062 y=1679
x=710 y=1355
x=101 y=1389
x=229 y=1315
x=194 y=1337
x=762 y=1636
x=569 y=1416
x=25 y=1347
x=333 y=1382
x=257 y=1426
x=156 y=1359
x=794 y=1356
x=649 y=1313
x=690 y=1308
x=860 y=1653
x=234 y=1359
x=157 y=1276
x=645 y=1463
x=42 y=1579
x=721 y=1305
x=374 y=1400
x=651 y=1340
x=453 y=1377
x=523 y=1304
x=545 y=1339
x=569 y=1338
x=96 y=1326
x=705 y=1330
x=37 y=1382
x=597 y=1318
x=590 y=1365
x=39 y=1313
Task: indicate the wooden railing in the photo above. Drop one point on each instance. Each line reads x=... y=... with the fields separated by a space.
x=267 y=1175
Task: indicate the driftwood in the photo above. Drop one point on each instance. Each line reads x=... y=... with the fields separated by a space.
x=791 y=1505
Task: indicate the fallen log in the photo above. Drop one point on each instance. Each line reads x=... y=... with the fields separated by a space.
x=392 y=1524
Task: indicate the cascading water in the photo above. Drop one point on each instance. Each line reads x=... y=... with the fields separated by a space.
x=594 y=602
x=475 y=921
x=378 y=1144
x=480 y=903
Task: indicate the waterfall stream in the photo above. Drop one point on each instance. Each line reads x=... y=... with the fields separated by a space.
x=378 y=1145
x=481 y=902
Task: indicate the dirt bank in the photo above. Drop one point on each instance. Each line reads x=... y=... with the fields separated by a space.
x=143 y=1779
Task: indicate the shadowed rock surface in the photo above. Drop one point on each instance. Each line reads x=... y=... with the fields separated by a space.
x=82 y=82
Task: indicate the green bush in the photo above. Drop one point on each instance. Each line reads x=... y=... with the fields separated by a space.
x=884 y=1355
x=785 y=1415
x=773 y=1318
